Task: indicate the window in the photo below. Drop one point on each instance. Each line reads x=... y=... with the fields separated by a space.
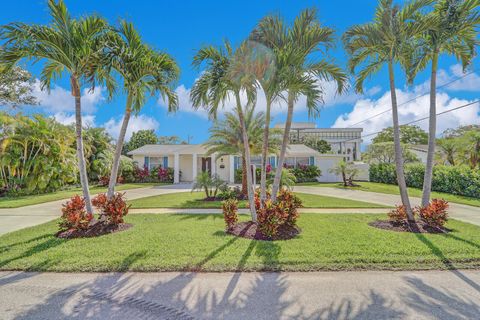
x=155 y=162
x=303 y=161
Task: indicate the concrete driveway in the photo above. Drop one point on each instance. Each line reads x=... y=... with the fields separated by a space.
x=315 y=295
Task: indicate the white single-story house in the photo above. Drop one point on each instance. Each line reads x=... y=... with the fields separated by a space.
x=188 y=160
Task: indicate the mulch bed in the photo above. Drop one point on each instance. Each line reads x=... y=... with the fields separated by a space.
x=418 y=227
x=96 y=230
x=249 y=230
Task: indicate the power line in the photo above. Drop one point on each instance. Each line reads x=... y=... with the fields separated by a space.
x=421 y=119
x=415 y=98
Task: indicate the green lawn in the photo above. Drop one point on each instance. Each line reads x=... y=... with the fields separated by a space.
x=198 y=242
x=21 y=201
x=195 y=200
x=393 y=189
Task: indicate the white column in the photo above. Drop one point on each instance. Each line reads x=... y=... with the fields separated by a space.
x=194 y=166
x=176 y=168
x=232 y=169
x=214 y=164
x=357 y=147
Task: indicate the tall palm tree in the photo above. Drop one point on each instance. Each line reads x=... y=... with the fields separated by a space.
x=145 y=72
x=451 y=29
x=386 y=41
x=226 y=138
x=222 y=79
x=296 y=73
x=68 y=46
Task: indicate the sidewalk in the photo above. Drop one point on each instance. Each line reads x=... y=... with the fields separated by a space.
x=316 y=295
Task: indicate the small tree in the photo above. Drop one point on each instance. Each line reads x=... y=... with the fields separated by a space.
x=209 y=184
x=348 y=172
x=320 y=145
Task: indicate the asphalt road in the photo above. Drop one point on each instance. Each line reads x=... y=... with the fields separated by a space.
x=316 y=295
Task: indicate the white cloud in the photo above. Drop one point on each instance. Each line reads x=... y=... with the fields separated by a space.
x=141 y=122
x=331 y=98
x=66 y=119
x=409 y=111
x=60 y=100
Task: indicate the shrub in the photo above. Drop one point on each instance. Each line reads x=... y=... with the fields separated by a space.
x=142 y=175
x=435 y=213
x=306 y=173
x=114 y=209
x=270 y=218
x=398 y=215
x=274 y=215
x=210 y=184
x=230 y=212
x=289 y=202
x=230 y=193
x=459 y=180
x=74 y=214
x=105 y=180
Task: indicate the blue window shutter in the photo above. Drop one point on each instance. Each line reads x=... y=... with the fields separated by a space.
x=272 y=162
x=235 y=162
x=165 y=162
x=312 y=161
x=146 y=162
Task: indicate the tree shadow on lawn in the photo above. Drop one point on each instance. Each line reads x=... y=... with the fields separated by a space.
x=446 y=261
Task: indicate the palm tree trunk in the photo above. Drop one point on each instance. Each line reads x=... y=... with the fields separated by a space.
x=118 y=151
x=281 y=159
x=263 y=171
x=432 y=127
x=402 y=185
x=80 y=154
x=246 y=146
x=244 y=176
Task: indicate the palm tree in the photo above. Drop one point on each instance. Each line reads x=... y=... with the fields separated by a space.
x=226 y=138
x=296 y=74
x=69 y=46
x=449 y=148
x=223 y=78
x=386 y=41
x=451 y=29
x=145 y=72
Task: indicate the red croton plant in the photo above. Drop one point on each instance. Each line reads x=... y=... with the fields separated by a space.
x=274 y=215
x=74 y=214
x=114 y=209
x=434 y=214
x=230 y=212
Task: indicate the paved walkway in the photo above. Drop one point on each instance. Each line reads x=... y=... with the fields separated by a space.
x=18 y=218
x=315 y=295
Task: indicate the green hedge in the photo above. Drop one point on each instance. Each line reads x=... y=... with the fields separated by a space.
x=460 y=180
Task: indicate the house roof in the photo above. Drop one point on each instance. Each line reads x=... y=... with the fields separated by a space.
x=419 y=147
x=166 y=149
x=293 y=150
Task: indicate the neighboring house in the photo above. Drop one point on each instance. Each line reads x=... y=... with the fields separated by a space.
x=420 y=151
x=344 y=141
x=188 y=160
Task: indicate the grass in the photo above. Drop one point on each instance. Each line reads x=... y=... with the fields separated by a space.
x=21 y=201
x=198 y=243
x=195 y=200
x=393 y=189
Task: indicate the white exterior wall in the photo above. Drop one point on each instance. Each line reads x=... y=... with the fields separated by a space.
x=363 y=171
x=139 y=160
x=186 y=168
x=325 y=164
x=421 y=155
x=223 y=173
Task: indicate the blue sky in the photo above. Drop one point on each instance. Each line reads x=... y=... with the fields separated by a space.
x=182 y=27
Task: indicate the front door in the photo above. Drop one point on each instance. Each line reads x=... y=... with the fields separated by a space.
x=207 y=164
